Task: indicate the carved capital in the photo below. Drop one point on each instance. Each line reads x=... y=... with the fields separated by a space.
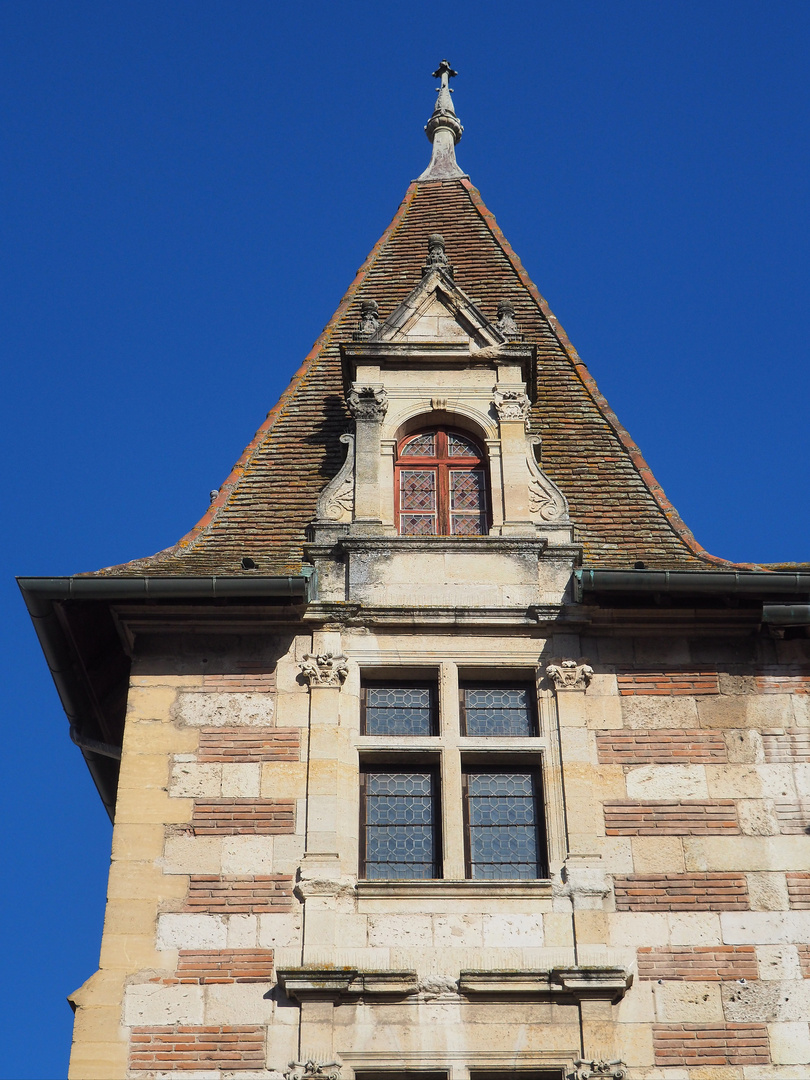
x=368 y=402
x=570 y=675
x=312 y=1069
x=604 y=1070
x=511 y=405
x=326 y=669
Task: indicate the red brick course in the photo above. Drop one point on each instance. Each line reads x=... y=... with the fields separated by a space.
x=238 y=817
x=666 y=746
x=716 y=817
x=231 y=895
x=786 y=680
x=804 y=960
x=681 y=892
x=711 y=1044
x=225 y=965
x=793 y=816
x=798 y=885
x=667 y=683
x=789 y=746
x=703 y=963
x=246 y=682
x=244 y=744
x=185 y=1047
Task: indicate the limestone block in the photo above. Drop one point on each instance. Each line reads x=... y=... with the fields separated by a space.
x=603 y=713
x=154 y=1003
x=238 y=1003
x=801 y=710
x=242 y=931
x=192 y=855
x=247 y=855
x=764 y=1001
x=617 y=854
x=158 y=737
x=790 y=1043
x=138 y=843
x=768 y=892
x=513 y=931
x=287 y=851
x=747 y=711
x=637 y=928
x=765 y=927
x=399 y=931
x=150 y=702
x=757 y=817
x=459 y=931
x=150 y=806
x=292 y=709
x=779 y=962
x=657 y=854
x=734 y=782
x=592 y=927
x=241 y=781
x=801 y=775
x=687 y=1003
x=601 y=684
x=634 y=1043
x=143 y=771
x=284 y=780
x=225 y=710
x=667 y=782
x=585 y=781
x=557 y=930
x=744 y=746
x=694 y=928
x=131 y=952
x=192 y=781
x=182 y=931
x=130 y=916
x=746 y=853
x=578 y=745
x=637 y=1006
x=279 y=931
x=659 y=712
x=351 y=932
x=142 y=881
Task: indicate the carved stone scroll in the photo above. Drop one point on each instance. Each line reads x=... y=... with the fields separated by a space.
x=312 y=1069
x=546 y=501
x=325 y=669
x=511 y=404
x=368 y=402
x=336 y=502
x=570 y=675
x=599 y=1070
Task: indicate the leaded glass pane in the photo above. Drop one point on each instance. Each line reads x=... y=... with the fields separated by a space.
x=497 y=711
x=460 y=446
x=423 y=445
x=417 y=489
x=417 y=524
x=467 y=502
x=398 y=710
x=503 y=826
x=399 y=830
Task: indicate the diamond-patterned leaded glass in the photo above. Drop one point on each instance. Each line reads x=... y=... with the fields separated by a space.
x=460 y=446
x=398 y=710
x=423 y=445
x=467 y=502
x=417 y=505
x=503 y=826
x=399 y=825
x=497 y=710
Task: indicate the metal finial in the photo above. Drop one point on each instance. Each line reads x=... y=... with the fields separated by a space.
x=444 y=130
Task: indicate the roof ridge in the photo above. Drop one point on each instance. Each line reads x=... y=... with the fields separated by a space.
x=600 y=401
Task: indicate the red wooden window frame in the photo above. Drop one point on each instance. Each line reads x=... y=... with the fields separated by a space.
x=442 y=465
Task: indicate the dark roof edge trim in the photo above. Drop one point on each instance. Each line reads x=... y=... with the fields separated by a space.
x=685 y=582
x=159 y=587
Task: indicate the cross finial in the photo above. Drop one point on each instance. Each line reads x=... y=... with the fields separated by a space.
x=443 y=129
x=445 y=73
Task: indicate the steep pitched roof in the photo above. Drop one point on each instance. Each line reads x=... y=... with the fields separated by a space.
x=620 y=512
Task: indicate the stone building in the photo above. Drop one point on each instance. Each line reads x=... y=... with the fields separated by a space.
x=439 y=746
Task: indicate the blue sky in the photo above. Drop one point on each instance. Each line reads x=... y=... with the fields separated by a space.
x=187 y=191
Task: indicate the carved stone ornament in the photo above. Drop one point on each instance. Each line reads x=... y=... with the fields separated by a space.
x=436 y=256
x=368 y=402
x=570 y=675
x=546 y=501
x=506 y=320
x=369 y=318
x=312 y=1069
x=511 y=405
x=336 y=502
x=326 y=669
x=604 y=1070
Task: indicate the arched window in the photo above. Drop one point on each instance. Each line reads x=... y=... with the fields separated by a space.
x=441 y=486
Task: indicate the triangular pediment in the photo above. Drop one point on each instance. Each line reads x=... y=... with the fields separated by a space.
x=438 y=310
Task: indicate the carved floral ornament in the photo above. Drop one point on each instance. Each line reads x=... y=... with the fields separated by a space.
x=325 y=669
x=368 y=402
x=312 y=1069
x=599 y=1070
x=570 y=675
x=511 y=404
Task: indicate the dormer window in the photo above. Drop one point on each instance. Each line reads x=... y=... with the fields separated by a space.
x=441 y=485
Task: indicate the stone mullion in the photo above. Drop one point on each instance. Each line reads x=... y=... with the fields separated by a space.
x=451 y=792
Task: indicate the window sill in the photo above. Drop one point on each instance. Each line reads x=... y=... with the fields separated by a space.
x=441 y=887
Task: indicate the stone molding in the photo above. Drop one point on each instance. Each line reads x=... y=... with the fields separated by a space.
x=511 y=404
x=585 y=881
x=604 y=983
x=336 y=502
x=570 y=675
x=313 y=1069
x=325 y=669
x=367 y=403
x=601 y=1069
x=330 y=984
x=546 y=501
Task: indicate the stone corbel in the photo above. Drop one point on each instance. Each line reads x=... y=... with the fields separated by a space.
x=599 y=1070
x=585 y=881
x=325 y=669
x=336 y=502
x=570 y=675
x=331 y=984
x=546 y=502
x=319 y=875
x=606 y=983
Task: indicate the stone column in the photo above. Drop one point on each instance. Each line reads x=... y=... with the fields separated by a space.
x=512 y=406
x=368 y=405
